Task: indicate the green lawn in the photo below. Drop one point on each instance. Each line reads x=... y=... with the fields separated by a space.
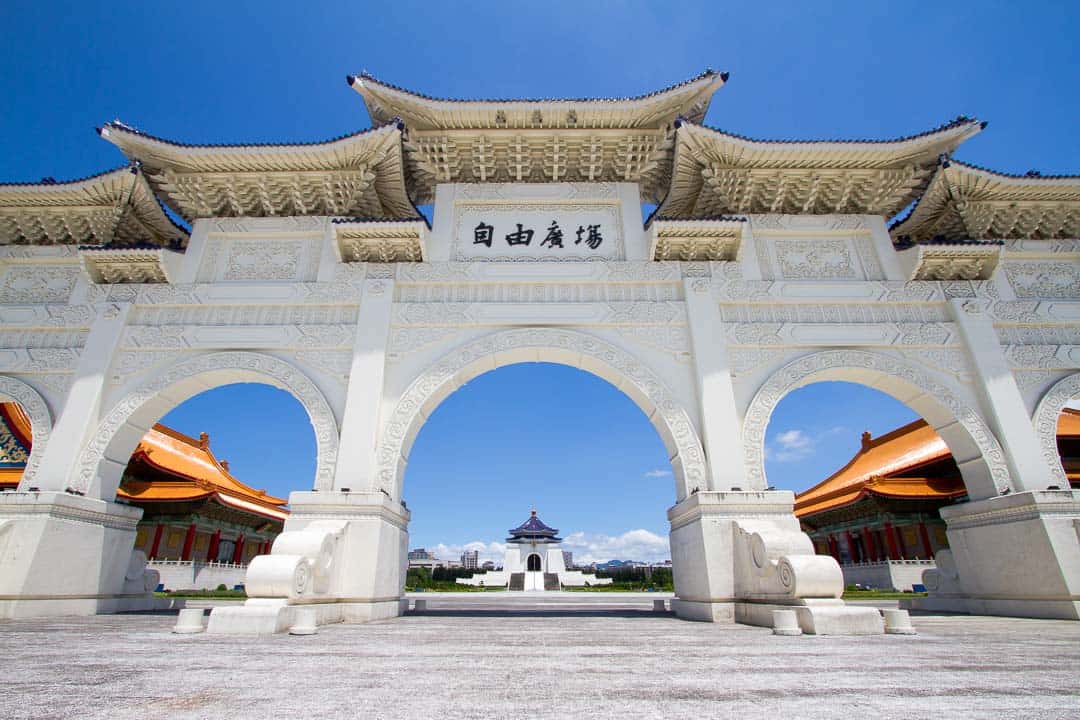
x=209 y=594
x=879 y=595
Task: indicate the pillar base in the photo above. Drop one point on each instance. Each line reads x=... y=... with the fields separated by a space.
x=738 y=556
x=269 y=616
x=64 y=554
x=714 y=612
x=1015 y=555
x=343 y=554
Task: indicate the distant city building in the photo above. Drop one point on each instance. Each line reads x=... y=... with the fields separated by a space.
x=488 y=565
x=470 y=559
x=534 y=561
x=422 y=558
x=568 y=558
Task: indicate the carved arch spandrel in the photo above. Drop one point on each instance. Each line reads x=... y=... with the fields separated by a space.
x=153 y=398
x=977 y=451
x=37 y=410
x=1045 y=420
x=564 y=347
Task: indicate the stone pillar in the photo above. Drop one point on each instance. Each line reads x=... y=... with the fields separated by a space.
x=721 y=428
x=852 y=550
x=890 y=539
x=238 y=550
x=79 y=416
x=737 y=556
x=215 y=544
x=1003 y=405
x=54 y=526
x=834 y=548
x=924 y=536
x=156 y=545
x=1014 y=555
x=868 y=542
x=354 y=546
x=189 y=543
x=360 y=422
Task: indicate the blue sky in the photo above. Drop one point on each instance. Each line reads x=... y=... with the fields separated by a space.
x=274 y=72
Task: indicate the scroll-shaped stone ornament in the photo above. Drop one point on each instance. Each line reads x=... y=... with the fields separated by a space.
x=138 y=580
x=300 y=565
x=944 y=579
x=778 y=563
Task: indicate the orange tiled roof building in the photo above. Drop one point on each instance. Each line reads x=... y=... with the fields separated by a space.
x=193 y=507
x=882 y=506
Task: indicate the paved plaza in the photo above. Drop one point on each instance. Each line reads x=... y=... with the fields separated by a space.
x=594 y=657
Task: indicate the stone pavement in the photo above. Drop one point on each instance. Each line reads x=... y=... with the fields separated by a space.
x=471 y=664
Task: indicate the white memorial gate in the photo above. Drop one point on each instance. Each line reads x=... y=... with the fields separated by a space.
x=765 y=266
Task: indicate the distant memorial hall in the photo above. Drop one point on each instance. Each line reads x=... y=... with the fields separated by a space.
x=533 y=562
x=762 y=266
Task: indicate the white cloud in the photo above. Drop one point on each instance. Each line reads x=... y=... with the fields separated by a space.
x=792 y=445
x=658 y=473
x=1073 y=404
x=632 y=545
x=493 y=551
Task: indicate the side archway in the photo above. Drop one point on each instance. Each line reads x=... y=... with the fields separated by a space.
x=37 y=410
x=1045 y=419
x=564 y=347
x=975 y=449
x=106 y=455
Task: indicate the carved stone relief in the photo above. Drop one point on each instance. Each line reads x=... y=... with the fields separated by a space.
x=668 y=412
x=262 y=367
x=40 y=420
x=1045 y=420
x=38 y=284
x=814 y=259
x=1044 y=279
x=802 y=371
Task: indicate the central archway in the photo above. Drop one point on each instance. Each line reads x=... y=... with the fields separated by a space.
x=564 y=347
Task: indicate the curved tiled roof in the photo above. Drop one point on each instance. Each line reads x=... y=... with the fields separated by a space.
x=357 y=174
x=715 y=172
x=117 y=206
x=707 y=73
x=892 y=466
x=651 y=111
x=50 y=181
x=963 y=202
x=533 y=526
x=199 y=474
x=958 y=121
x=187 y=470
x=124 y=127
x=896 y=453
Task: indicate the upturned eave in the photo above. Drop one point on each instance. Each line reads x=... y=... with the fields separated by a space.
x=716 y=172
x=688 y=99
x=359 y=174
x=116 y=208
x=967 y=202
